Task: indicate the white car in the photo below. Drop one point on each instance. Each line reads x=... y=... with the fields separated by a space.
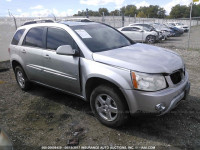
x=180 y=26
x=140 y=34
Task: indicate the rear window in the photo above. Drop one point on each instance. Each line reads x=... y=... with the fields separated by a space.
x=34 y=37
x=17 y=37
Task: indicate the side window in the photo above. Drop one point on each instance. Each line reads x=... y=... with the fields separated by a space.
x=34 y=37
x=135 y=29
x=126 y=29
x=57 y=37
x=17 y=37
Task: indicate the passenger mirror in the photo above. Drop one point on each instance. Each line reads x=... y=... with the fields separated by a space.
x=65 y=50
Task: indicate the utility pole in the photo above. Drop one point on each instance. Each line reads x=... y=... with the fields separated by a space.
x=87 y=13
x=190 y=26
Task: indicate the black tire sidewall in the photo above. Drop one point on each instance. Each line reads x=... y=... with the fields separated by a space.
x=119 y=100
x=27 y=84
x=150 y=36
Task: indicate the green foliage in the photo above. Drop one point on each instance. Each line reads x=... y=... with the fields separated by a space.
x=152 y=11
x=183 y=11
x=141 y=14
x=180 y=11
x=105 y=10
x=130 y=10
x=116 y=12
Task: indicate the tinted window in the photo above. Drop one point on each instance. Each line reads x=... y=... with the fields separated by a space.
x=99 y=37
x=127 y=29
x=34 y=37
x=17 y=36
x=58 y=37
x=135 y=29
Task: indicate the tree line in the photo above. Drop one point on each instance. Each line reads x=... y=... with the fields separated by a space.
x=152 y=11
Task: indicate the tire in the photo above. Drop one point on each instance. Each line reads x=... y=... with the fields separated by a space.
x=150 y=39
x=109 y=106
x=22 y=79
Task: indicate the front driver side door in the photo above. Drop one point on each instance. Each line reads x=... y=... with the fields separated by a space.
x=61 y=71
x=137 y=33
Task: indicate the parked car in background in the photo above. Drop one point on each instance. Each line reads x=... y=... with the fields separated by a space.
x=180 y=26
x=140 y=34
x=78 y=19
x=177 y=31
x=99 y=64
x=165 y=31
x=161 y=36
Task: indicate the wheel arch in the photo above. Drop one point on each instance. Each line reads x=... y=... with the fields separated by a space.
x=15 y=63
x=93 y=82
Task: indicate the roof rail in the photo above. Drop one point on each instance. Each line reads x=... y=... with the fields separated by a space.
x=38 y=21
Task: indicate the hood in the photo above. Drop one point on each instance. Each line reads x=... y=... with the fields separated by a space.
x=141 y=58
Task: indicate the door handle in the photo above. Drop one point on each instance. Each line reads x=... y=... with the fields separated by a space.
x=47 y=56
x=23 y=51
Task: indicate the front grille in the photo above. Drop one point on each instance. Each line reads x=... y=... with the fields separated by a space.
x=177 y=76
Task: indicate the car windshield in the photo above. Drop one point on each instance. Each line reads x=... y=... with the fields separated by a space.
x=99 y=37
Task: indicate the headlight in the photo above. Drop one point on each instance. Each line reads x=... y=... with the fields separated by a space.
x=148 y=82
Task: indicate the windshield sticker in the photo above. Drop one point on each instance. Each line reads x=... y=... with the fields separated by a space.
x=83 y=34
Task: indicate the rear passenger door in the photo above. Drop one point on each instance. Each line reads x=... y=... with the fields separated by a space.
x=31 y=53
x=61 y=71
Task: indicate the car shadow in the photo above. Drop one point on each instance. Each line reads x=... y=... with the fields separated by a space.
x=178 y=128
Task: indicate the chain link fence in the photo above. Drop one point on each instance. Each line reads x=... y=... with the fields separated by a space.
x=7 y=29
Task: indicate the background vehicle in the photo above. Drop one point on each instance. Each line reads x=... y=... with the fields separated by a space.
x=161 y=36
x=180 y=26
x=165 y=31
x=100 y=65
x=177 y=31
x=140 y=33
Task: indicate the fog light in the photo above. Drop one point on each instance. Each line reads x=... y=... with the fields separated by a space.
x=160 y=107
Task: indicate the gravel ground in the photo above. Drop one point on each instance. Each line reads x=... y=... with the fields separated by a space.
x=44 y=117
x=182 y=41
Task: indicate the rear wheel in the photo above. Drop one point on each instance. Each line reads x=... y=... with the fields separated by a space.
x=150 y=39
x=109 y=106
x=22 y=79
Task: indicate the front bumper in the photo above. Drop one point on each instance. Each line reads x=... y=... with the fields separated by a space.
x=146 y=102
x=177 y=99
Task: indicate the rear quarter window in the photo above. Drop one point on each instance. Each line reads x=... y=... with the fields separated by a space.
x=17 y=37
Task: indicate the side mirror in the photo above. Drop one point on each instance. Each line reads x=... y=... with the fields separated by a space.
x=65 y=50
x=141 y=30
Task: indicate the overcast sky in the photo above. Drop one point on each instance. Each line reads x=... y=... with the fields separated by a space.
x=39 y=8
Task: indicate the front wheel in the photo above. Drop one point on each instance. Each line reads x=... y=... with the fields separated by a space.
x=150 y=39
x=21 y=78
x=108 y=106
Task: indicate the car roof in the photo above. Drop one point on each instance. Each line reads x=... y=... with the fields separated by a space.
x=61 y=23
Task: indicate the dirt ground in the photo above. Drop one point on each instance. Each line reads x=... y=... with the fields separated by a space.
x=45 y=117
x=182 y=41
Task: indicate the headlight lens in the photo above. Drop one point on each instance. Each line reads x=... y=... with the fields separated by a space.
x=148 y=82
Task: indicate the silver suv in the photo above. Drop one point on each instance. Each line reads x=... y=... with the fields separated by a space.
x=101 y=65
